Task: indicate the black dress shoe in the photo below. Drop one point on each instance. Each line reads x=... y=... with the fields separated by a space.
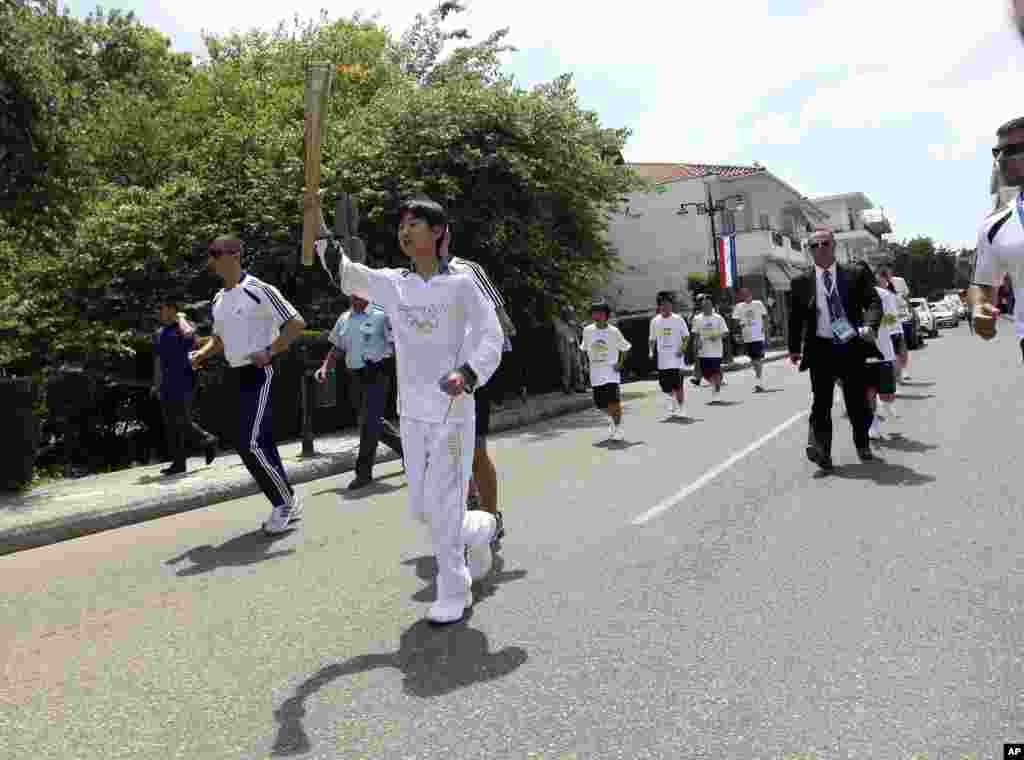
x=175 y=469
x=360 y=481
x=865 y=455
x=211 y=453
x=820 y=458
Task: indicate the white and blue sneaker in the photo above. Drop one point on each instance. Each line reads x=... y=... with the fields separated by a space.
x=281 y=518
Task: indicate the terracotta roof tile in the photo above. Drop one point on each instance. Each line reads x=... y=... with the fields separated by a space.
x=662 y=173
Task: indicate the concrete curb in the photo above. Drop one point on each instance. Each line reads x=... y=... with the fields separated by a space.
x=33 y=520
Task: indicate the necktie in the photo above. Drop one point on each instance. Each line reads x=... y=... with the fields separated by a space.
x=835 y=305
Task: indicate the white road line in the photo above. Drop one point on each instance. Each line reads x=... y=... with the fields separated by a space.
x=715 y=471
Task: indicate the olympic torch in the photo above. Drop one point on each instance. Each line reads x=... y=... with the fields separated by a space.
x=318 y=90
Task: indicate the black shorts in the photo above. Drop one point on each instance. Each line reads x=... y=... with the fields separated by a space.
x=605 y=394
x=482 y=401
x=897 y=343
x=710 y=366
x=907 y=327
x=755 y=349
x=881 y=376
x=670 y=379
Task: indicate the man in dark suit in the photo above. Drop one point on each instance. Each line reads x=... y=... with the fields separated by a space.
x=832 y=326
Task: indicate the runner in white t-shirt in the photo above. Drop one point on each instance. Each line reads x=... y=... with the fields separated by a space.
x=710 y=329
x=606 y=347
x=880 y=370
x=751 y=315
x=669 y=336
x=1001 y=239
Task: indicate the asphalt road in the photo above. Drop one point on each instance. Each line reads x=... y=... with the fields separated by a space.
x=694 y=592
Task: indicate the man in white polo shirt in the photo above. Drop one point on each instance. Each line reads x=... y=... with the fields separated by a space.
x=253 y=323
x=1001 y=238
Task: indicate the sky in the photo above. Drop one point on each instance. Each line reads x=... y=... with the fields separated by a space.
x=897 y=99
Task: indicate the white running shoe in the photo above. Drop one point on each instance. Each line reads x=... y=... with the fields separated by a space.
x=875 y=431
x=296 y=513
x=451 y=609
x=618 y=435
x=279 y=520
x=890 y=413
x=479 y=560
x=670 y=406
x=611 y=430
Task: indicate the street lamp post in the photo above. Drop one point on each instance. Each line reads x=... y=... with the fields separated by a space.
x=710 y=207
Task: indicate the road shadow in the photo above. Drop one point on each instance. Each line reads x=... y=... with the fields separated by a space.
x=146 y=480
x=883 y=473
x=426 y=570
x=914 y=396
x=910 y=384
x=551 y=428
x=681 y=420
x=376 y=488
x=617 y=445
x=899 y=442
x=434 y=661
x=247 y=549
x=722 y=402
x=769 y=390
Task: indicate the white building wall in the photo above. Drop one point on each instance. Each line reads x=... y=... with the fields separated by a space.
x=658 y=248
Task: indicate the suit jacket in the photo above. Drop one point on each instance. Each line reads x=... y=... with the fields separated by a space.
x=856 y=286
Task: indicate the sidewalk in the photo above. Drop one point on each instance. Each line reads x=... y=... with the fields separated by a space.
x=78 y=507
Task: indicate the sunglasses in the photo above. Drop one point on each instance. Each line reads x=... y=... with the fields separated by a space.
x=218 y=252
x=816 y=244
x=1006 y=151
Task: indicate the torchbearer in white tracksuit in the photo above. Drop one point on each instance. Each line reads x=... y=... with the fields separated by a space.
x=448 y=341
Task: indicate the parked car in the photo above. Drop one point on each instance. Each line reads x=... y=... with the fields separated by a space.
x=958 y=306
x=920 y=307
x=943 y=314
x=911 y=325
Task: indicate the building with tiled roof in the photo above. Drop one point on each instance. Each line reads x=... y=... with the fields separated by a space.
x=661 y=248
x=664 y=173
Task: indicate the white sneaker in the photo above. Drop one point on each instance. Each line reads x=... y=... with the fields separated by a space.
x=296 y=513
x=875 y=431
x=618 y=435
x=479 y=560
x=890 y=413
x=279 y=520
x=611 y=430
x=670 y=406
x=451 y=609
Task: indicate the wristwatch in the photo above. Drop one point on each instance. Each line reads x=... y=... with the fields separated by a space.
x=469 y=376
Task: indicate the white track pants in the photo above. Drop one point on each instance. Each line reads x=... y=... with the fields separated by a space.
x=438 y=465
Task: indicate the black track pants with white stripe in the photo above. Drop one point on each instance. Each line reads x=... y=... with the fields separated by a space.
x=256 y=437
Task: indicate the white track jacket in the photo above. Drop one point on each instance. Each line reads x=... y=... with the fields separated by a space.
x=439 y=324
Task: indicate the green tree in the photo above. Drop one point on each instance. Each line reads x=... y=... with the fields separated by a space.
x=525 y=176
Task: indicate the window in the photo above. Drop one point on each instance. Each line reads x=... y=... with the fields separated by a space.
x=728 y=222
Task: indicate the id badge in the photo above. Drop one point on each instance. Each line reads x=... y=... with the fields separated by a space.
x=842 y=329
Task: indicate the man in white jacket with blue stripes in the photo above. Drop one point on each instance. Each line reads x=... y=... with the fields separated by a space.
x=448 y=342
